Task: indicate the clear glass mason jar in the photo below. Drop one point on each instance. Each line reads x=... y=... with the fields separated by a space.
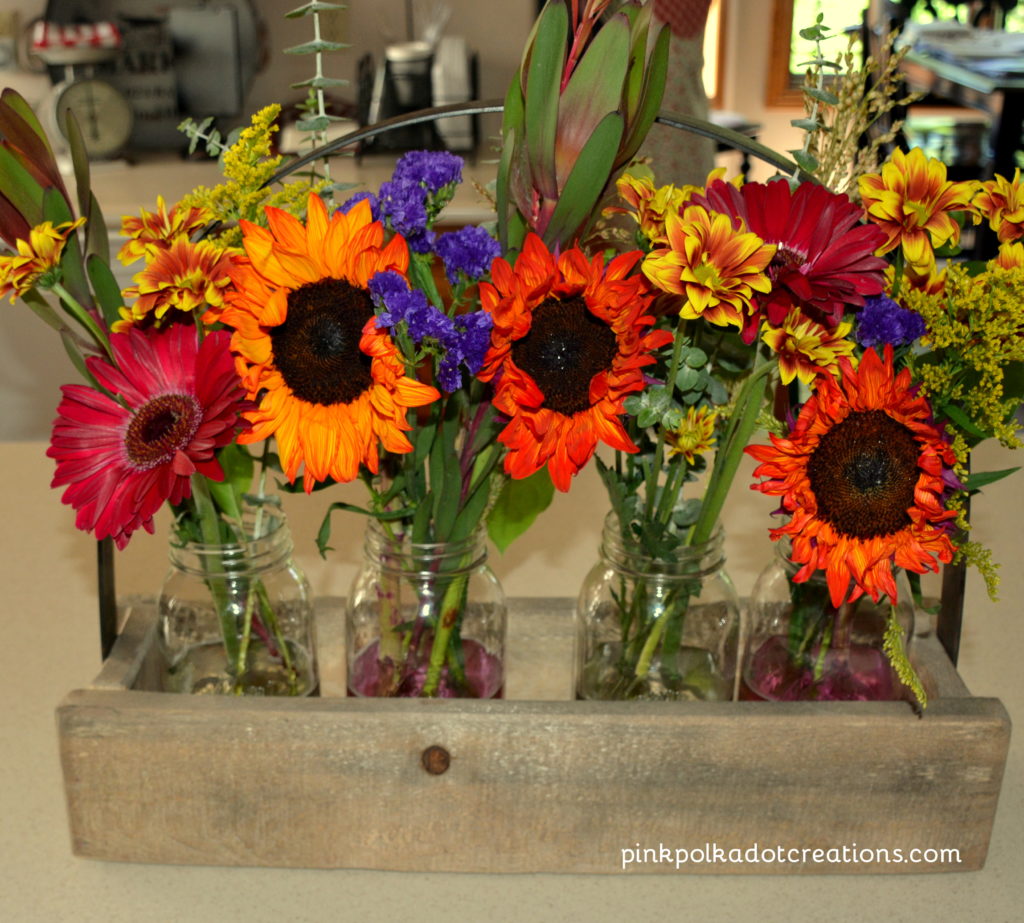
x=237 y=618
x=650 y=628
x=425 y=619
x=801 y=647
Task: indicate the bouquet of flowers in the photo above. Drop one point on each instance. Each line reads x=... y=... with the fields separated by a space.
x=873 y=468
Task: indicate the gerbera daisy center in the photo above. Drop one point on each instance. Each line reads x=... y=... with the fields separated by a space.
x=863 y=474
x=161 y=427
x=565 y=348
x=316 y=349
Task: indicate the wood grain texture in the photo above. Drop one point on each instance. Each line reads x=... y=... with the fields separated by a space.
x=533 y=785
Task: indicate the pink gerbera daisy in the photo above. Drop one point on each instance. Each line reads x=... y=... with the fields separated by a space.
x=179 y=401
x=824 y=259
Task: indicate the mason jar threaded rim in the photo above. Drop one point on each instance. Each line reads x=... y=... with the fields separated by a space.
x=397 y=553
x=254 y=555
x=689 y=561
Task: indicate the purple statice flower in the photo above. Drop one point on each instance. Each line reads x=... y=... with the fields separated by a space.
x=469 y=250
x=404 y=203
x=467 y=346
x=395 y=301
x=882 y=321
x=347 y=205
x=433 y=169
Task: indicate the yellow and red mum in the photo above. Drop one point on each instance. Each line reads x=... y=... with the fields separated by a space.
x=649 y=204
x=36 y=258
x=806 y=348
x=184 y=277
x=331 y=386
x=570 y=340
x=715 y=267
x=913 y=202
x=1010 y=256
x=695 y=434
x=159 y=230
x=864 y=476
x=1001 y=203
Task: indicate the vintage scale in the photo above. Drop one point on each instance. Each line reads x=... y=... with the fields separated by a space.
x=103 y=113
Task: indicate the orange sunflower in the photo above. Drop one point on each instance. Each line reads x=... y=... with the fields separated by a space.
x=865 y=475
x=329 y=383
x=569 y=342
x=912 y=201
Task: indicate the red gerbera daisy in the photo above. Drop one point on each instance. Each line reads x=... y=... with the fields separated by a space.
x=569 y=342
x=122 y=461
x=865 y=475
x=824 y=259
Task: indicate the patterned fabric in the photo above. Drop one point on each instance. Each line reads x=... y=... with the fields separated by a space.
x=681 y=157
x=685 y=18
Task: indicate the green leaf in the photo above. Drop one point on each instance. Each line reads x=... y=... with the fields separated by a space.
x=806 y=124
x=317 y=123
x=319 y=83
x=543 y=80
x=654 y=70
x=822 y=96
x=807 y=162
x=105 y=288
x=21 y=188
x=76 y=357
x=323 y=535
x=79 y=158
x=687 y=379
x=695 y=357
x=97 y=243
x=594 y=90
x=315 y=46
x=582 y=190
x=512 y=129
x=960 y=419
x=519 y=504
x=316 y=6
x=978 y=479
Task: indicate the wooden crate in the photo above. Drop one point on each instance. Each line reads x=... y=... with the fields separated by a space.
x=534 y=783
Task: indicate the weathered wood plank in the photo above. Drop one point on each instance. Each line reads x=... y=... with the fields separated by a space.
x=532 y=785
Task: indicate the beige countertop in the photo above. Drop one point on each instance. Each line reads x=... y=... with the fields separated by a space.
x=49 y=629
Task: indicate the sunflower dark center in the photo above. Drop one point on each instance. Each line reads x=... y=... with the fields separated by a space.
x=317 y=349
x=863 y=475
x=161 y=427
x=565 y=348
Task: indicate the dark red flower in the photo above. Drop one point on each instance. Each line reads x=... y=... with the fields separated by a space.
x=825 y=259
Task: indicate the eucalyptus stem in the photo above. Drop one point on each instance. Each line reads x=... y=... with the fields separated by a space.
x=659 y=448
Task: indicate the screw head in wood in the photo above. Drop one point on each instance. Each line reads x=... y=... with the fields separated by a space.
x=436 y=760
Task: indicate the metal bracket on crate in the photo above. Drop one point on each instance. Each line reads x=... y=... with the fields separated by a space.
x=951 y=613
